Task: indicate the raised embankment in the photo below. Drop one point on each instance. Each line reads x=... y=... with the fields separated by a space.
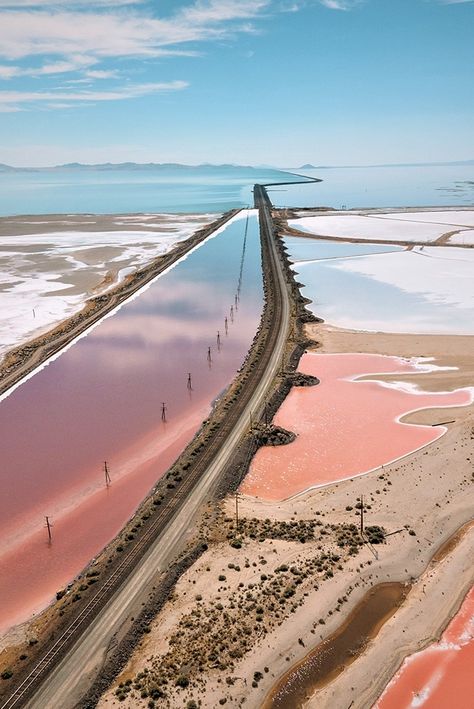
x=132 y=584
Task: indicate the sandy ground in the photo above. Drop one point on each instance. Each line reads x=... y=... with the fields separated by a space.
x=455 y=351
x=51 y=223
x=432 y=600
x=430 y=492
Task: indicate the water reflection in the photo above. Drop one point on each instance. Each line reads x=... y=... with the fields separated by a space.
x=102 y=400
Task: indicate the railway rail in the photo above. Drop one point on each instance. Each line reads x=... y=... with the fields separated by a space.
x=57 y=679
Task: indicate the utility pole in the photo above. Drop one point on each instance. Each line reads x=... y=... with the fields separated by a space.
x=209 y=356
x=361 y=515
x=232 y=313
x=236 y=510
x=107 y=475
x=226 y=324
x=218 y=340
x=190 y=383
x=48 y=527
x=163 y=411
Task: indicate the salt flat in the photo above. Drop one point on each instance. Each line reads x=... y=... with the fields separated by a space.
x=49 y=267
x=456 y=217
x=425 y=226
x=464 y=237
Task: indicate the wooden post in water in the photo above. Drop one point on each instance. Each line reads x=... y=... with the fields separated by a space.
x=209 y=356
x=48 y=527
x=218 y=340
x=190 y=382
x=163 y=411
x=232 y=313
x=107 y=475
x=226 y=324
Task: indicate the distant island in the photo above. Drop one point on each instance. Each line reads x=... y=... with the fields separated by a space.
x=453 y=163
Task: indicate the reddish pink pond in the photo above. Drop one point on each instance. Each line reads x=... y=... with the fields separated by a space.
x=101 y=400
x=440 y=676
x=344 y=427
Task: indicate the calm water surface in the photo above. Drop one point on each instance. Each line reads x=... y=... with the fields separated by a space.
x=102 y=400
x=381 y=187
x=164 y=189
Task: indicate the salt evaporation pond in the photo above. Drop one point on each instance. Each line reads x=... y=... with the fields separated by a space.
x=344 y=427
x=102 y=400
x=441 y=675
x=301 y=249
x=424 y=290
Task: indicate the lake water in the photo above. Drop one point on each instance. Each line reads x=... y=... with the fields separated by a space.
x=381 y=187
x=114 y=191
x=217 y=189
x=102 y=400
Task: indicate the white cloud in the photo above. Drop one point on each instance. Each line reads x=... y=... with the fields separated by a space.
x=116 y=34
x=48 y=4
x=11 y=100
x=74 y=36
x=100 y=74
x=339 y=4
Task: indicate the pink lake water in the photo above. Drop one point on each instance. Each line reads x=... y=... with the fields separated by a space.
x=440 y=676
x=344 y=427
x=101 y=400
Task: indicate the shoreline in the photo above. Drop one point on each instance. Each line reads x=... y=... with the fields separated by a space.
x=24 y=360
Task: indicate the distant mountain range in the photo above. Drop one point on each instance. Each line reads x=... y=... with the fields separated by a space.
x=171 y=166
x=134 y=166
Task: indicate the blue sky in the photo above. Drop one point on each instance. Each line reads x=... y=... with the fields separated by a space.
x=279 y=82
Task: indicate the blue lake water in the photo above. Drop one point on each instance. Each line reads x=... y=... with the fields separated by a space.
x=115 y=191
x=381 y=187
x=217 y=189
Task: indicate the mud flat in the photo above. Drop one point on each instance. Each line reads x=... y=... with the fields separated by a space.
x=332 y=657
x=429 y=677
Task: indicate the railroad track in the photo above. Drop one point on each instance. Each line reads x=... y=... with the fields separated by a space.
x=56 y=678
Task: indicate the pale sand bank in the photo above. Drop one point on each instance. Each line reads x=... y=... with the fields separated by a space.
x=455 y=351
